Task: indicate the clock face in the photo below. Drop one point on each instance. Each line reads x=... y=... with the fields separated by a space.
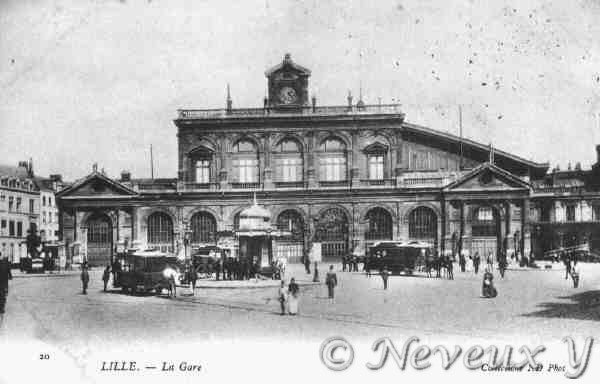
x=287 y=95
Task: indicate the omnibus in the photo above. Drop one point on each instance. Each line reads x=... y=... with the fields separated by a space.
x=398 y=256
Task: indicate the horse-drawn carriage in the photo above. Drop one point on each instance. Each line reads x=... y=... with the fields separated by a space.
x=398 y=256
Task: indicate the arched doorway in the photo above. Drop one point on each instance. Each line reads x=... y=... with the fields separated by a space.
x=486 y=235
x=422 y=225
x=160 y=232
x=290 y=246
x=99 y=240
x=379 y=226
x=332 y=232
x=204 y=229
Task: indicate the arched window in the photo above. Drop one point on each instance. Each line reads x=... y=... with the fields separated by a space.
x=332 y=161
x=204 y=228
x=379 y=225
x=333 y=232
x=99 y=239
x=160 y=232
x=288 y=161
x=376 y=159
x=202 y=164
x=245 y=162
x=291 y=221
x=422 y=223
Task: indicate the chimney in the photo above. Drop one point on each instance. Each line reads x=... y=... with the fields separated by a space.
x=314 y=104
x=56 y=177
x=349 y=99
x=125 y=176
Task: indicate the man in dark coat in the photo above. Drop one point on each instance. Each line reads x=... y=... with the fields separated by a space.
x=5 y=275
x=384 y=275
x=476 y=262
x=85 y=278
x=331 y=282
x=193 y=277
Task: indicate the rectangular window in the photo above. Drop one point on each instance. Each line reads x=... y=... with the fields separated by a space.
x=50 y=201
x=290 y=169
x=596 y=213
x=50 y=217
x=11 y=202
x=203 y=171
x=19 y=229
x=31 y=205
x=11 y=228
x=18 y=204
x=43 y=201
x=570 y=213
x=44 y=217
x=333 y=169
x=3 y=228
x=376 y=167
x=247 y=170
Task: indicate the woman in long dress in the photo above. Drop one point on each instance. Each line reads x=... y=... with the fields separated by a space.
x=294 y=290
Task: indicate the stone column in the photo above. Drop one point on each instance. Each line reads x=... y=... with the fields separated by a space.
x=443 y=225
x=355 y=170
x=223 y=163
x=311 y=162
x=525 y=229
x=268 y=170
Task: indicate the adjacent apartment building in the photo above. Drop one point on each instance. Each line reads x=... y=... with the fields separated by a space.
x=19 y=208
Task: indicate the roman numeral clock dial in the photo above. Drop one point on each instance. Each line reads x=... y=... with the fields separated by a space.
x=287 y=95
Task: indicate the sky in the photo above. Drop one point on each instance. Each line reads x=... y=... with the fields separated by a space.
x=86 y=82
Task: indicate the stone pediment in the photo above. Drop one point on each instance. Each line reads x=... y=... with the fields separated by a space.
x=96 y=184
x=488 y=177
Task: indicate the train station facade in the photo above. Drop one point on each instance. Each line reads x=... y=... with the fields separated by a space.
x=341 y=176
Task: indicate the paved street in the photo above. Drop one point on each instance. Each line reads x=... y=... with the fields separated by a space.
x=531 y=305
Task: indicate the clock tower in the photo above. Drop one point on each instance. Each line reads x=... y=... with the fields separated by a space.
x=288 y=85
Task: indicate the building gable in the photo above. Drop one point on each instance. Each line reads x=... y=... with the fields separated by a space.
x=96 y=184
x=487 y=177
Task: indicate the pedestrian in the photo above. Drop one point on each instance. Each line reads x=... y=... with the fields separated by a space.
x=355 y=263
x=450 y=267
x=462 y=262
x=307 y=264
x=567 y=264
x=476 y=262
x=193 y=277
x=294 y=291
x=5 y=275
x=331 y=282
x=283 y=293
x=106 y=276
x=85 y=277
x=316 y=275
x=490 y=261
x=384 y=275
x=502 y=266
x=344 y=259
x=487 y=288
x=575 y=276
x=116 y=269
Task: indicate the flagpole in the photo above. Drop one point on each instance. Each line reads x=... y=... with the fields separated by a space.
x=151 y=163
x=460 y=127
